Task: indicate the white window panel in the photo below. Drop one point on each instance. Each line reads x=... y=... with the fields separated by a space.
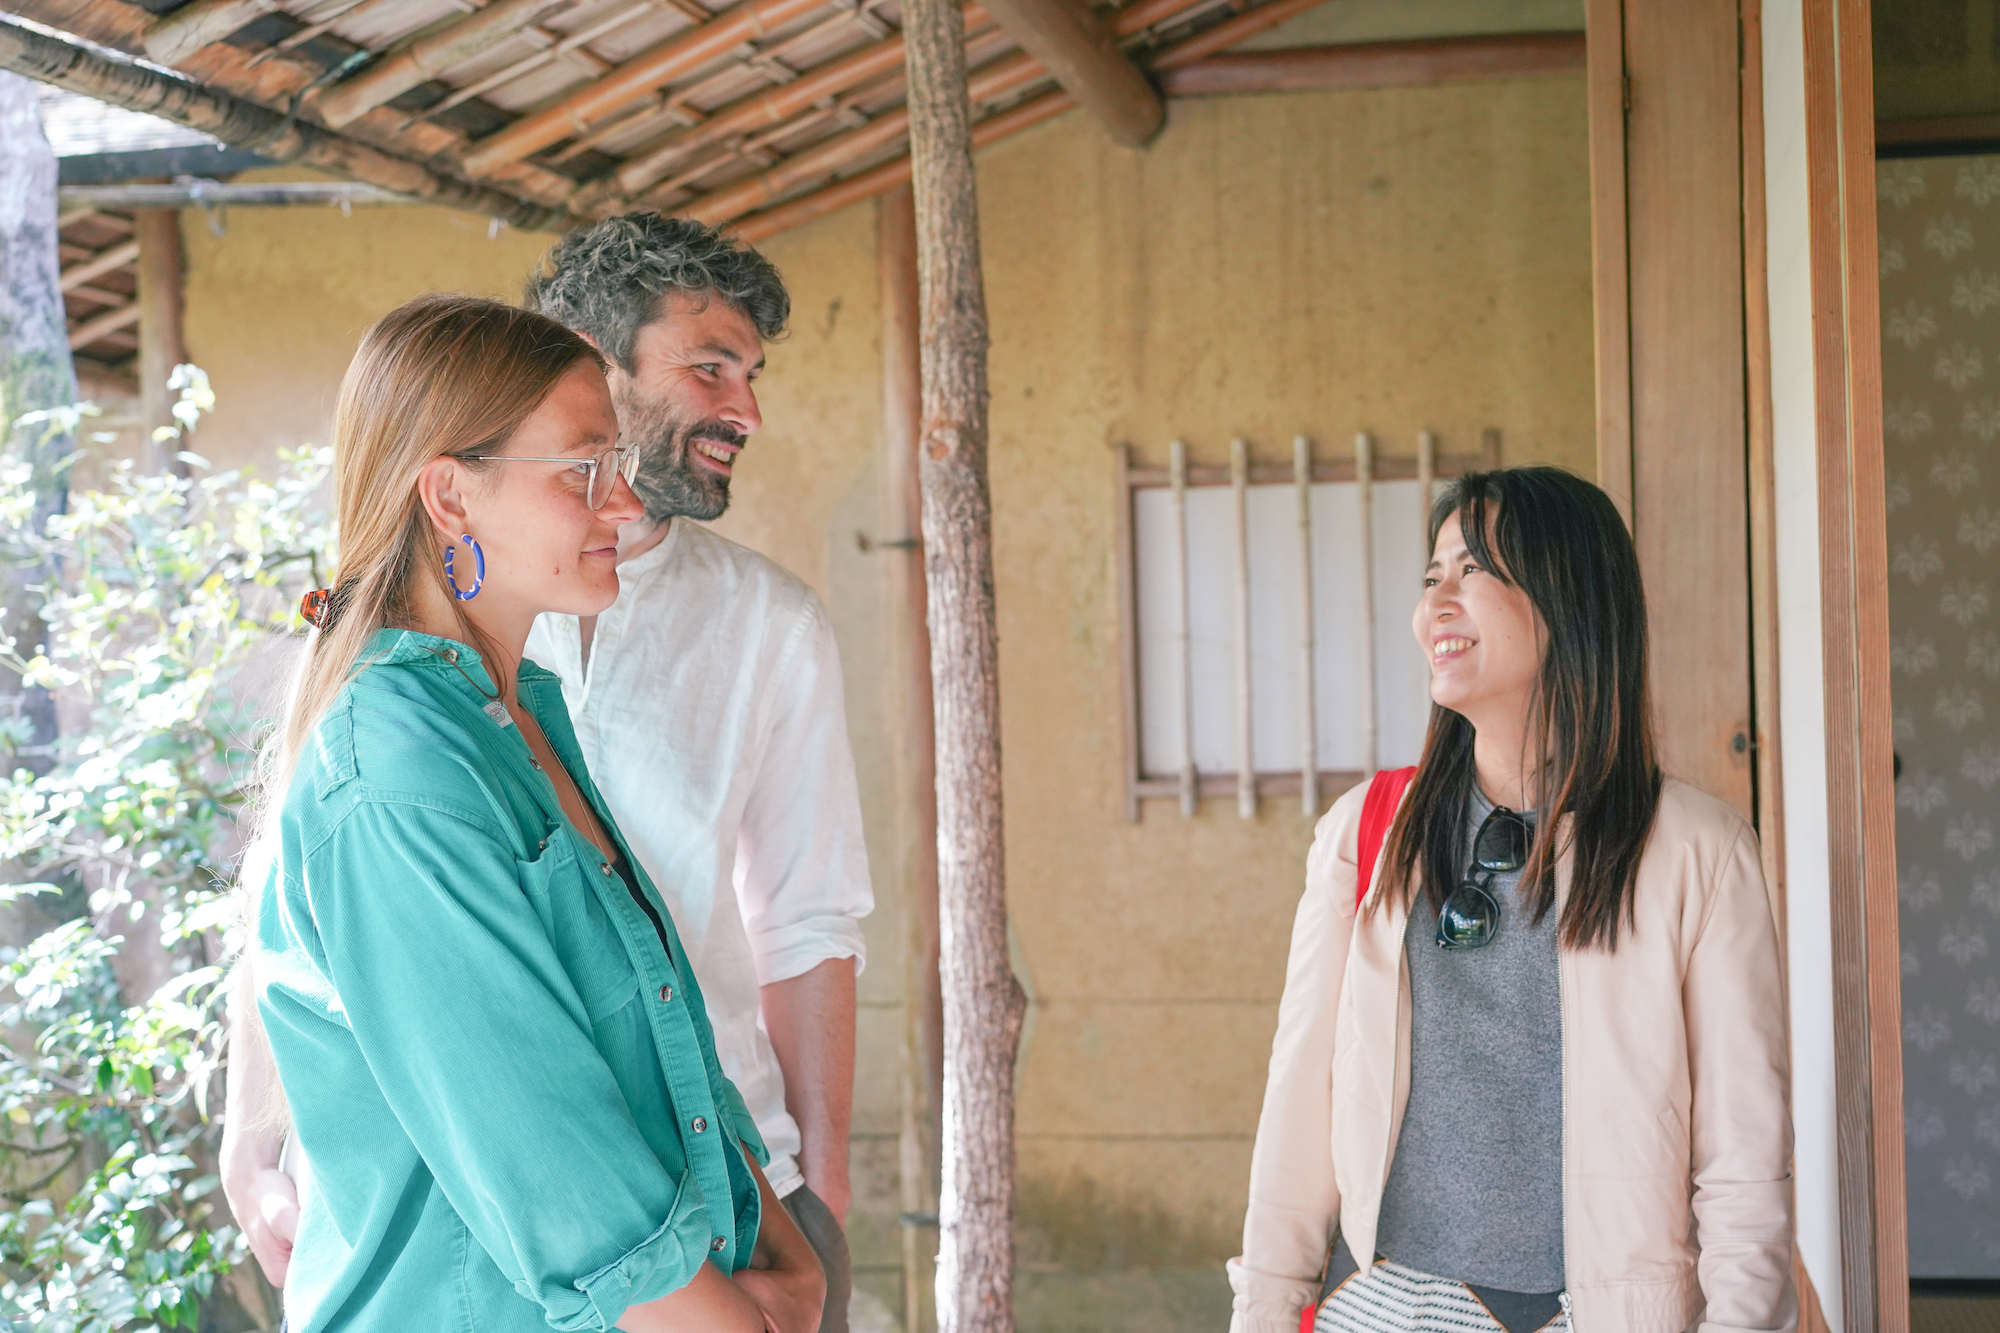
x=1277 y=703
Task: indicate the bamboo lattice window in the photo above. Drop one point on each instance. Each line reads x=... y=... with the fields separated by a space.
x=1255 y=660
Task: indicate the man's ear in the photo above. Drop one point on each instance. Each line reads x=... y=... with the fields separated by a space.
x=440 y=488
x=589 y=339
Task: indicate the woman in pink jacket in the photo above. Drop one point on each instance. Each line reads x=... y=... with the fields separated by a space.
x=1530 y=1070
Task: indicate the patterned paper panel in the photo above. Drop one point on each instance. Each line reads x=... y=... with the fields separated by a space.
x=1940 y=230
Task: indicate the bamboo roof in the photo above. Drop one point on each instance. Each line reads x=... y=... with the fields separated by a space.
x=753 y=113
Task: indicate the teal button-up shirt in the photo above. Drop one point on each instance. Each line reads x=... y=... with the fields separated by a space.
x=498 y=1062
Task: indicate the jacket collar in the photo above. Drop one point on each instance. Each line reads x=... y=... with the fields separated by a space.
x=408 y=647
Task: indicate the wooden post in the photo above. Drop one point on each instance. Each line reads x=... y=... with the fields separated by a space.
x=1183 y=637
x=1302 y=473
x=1246 y=765
x=1426 y=489
x=158 y=231
x=1364 y=492
x=983 y=1002
x=915 y=743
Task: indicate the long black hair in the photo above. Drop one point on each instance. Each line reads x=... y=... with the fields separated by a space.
x=1560 y=540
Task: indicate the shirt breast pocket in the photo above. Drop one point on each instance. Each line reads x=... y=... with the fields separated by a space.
x=585 y=939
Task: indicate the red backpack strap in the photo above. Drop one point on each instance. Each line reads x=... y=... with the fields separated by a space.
x=1378 y=812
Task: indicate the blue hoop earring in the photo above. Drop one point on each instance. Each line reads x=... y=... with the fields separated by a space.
x=478 y=572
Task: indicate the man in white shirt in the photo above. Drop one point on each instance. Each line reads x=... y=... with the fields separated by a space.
x=707 y=701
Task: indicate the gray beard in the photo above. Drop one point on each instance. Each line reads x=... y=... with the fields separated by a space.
x=669 y=483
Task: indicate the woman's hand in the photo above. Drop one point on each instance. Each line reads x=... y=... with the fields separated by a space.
x=266 y=1206
x=783 y=1290
x=264 y=1200
x=784 y=1276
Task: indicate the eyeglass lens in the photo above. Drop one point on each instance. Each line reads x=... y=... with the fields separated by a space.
x=1469 y=918
x=611 y=465
x=1502 y=844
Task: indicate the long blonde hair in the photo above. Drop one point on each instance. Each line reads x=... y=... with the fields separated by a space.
x=441 y=375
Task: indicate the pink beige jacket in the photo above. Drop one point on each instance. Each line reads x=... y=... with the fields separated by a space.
x=1677 y=1192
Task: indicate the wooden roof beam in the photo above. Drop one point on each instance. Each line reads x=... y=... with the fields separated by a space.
x=1081 y=51
x=90 y=330
x=1378 y=64
x=887 y=176
x=244 y=124
x=425 y=57
x=677 y=57
x=118 y=256
x=997 y=80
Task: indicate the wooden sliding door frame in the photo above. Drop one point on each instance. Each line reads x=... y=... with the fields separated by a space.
x=1854 y=611
x=1846 y=356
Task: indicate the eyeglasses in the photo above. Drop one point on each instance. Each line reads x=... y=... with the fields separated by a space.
x=599 y=472
x=1470 y=918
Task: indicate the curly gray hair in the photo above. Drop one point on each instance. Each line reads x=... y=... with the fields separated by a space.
x=607 y=279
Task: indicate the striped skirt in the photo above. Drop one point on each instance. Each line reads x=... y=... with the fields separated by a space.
x=1389 y=1298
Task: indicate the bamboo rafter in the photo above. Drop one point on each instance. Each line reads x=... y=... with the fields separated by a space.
x=758 y=114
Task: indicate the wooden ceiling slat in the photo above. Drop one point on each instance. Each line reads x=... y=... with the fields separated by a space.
x=672 y=59
x=985 y=85
x=272 y=85
x=119 y=341
x=429 y=56
x=341 y=11
x=116 y=257
x=237 y=121
x=692 y=122
x=1231 y=31
x=189 y=29
x=559 y=47
x=1004 y=76
x=880 y=180
x=771 y=107
x=90 y=330
x=1134 y=18
x=96 y=295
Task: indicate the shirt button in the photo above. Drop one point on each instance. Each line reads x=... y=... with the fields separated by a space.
x=700 y=1125
x=535 y=764
x=717 y=1244
x=666 y=994
x=605 y=867
x=543 y=845
x=451 y=654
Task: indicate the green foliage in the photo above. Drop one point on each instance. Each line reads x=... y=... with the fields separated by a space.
x=170 y=596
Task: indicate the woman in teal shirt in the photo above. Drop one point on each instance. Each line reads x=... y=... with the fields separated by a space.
x=496 y=1056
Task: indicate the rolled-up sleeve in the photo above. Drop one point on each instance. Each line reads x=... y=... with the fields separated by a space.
x=482 y=1050
x=801 y=864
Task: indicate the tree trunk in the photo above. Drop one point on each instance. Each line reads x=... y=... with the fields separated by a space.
x=35 y=373
x=983 y=1003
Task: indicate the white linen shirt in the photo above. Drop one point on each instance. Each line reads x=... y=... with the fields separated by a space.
x=712 y=719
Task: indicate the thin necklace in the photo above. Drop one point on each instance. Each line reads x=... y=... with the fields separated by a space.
x=493 y=708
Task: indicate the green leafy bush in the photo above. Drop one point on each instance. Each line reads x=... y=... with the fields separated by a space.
x=172 y=599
